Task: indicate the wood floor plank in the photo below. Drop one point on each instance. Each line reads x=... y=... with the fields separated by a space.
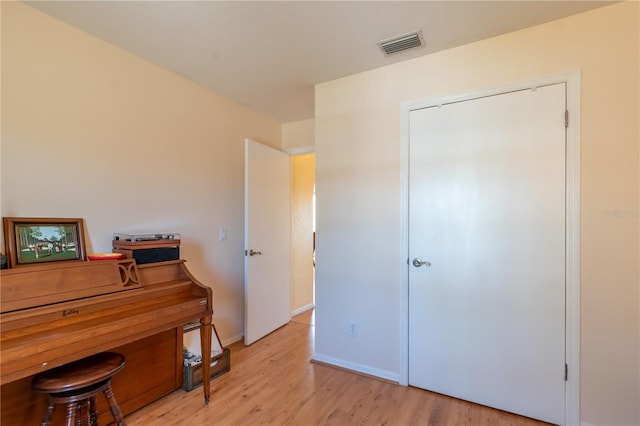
x=273 y=382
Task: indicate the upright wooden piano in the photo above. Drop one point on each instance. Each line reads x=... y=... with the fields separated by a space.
x=54 y=314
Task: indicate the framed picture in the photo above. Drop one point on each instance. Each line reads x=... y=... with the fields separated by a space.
x=30 y=241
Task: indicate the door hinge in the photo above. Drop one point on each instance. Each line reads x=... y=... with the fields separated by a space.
x=566 y=372
x=566 y=119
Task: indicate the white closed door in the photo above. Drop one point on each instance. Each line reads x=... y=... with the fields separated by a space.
x=267 y=241
x=487 y=218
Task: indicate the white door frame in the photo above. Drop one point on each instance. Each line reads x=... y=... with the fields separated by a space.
x=572 y=342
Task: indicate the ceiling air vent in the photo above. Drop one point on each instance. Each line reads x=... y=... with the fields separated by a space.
x=401 y=43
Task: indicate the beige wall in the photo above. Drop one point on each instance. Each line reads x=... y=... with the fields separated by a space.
x=91 y=131
x=298 y=136
x=359 y=224
x=302 y=182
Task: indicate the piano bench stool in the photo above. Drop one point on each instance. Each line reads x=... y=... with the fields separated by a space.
x=77 y=384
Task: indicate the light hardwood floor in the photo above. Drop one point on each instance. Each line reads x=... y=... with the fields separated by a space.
x=273 y=382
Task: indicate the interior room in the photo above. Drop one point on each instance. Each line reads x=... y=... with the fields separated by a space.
x=97 y=123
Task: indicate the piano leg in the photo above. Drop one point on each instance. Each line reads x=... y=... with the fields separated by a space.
x=205 y=346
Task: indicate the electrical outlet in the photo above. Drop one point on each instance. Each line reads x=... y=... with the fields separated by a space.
x=223 y=234
x=353 y=328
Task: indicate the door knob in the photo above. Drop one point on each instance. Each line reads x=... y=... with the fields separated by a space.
x=417 y=262
x=255 y=253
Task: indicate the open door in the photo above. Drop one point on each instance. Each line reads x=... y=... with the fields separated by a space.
x=267 y=241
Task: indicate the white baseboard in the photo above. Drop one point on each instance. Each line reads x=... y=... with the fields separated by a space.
x=230 y=340
x=303 y=309
x=359 y=368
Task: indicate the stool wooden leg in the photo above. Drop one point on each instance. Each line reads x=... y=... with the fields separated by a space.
x=49 y=414
x=71 y=413
x=113 y=406
x=93 y=419
x=82 y=413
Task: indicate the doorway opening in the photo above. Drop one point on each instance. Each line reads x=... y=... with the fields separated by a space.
x=302 y=233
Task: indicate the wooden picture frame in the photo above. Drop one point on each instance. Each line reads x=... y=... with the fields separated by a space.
x=33 y=241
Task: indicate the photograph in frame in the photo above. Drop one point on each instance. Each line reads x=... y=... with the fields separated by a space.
x=32 y=241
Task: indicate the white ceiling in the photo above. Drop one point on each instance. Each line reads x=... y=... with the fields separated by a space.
x=268 y=55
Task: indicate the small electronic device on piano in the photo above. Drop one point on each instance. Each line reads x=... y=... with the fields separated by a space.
x=147 y=248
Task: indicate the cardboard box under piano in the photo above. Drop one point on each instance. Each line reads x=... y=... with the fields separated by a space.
x=147 y=248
